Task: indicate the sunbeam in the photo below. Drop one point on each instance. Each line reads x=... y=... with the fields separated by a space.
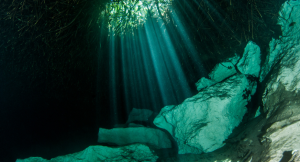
x=151 y=71
x=149 y=80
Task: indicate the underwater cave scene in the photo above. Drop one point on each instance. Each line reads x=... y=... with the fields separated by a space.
x=149 y=80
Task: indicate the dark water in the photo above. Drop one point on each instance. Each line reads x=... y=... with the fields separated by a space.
x=54 y=97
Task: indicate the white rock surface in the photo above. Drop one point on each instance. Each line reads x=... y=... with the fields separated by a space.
x=280 y=99
x=132 y=153
x=201 y=123
x=219 y=73
x=249 y=64
x=284 y=139
x=289 y=20
x=288 y=71
x=203 y=83
x=284 y=56
x=125 y=136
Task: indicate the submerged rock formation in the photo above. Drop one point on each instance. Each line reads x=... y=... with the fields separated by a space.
x=281 y=99
x=202 y=123
x=272 y=136
x=219 y=73
x=132 y=153
x=132 y=133
x=249 y=64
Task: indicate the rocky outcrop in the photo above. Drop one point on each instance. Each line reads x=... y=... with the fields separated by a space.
x=278 y=127
x=285 y=62
x=219 y=73
x=281 y=138
x=132 y=153
x=289 y=20
x=249 y=65
x=281 y=96
x=202 y=123
x=131 y=132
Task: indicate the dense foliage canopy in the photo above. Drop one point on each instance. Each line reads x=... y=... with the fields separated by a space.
x=128 y=14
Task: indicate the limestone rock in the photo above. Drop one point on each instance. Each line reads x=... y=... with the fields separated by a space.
x=220 y=72
x=132 y=153
x=203 y=83
x=275 y=54
x=289 y=20
x=249 y=64
x=284 y=60
x=283 y=139
x=280 y=99
x=201 y=123
x=295 y=156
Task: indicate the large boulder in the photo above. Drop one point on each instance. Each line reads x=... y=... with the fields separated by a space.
x=132 y=153
x=249 y=64
x=201 y=123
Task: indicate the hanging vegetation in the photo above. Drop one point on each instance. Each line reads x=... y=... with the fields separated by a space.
x=124 y=15
x=223 y=27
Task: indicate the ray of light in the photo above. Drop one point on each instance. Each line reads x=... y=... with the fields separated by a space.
x=185 y=37
x=113 y=77
x=150 y=66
